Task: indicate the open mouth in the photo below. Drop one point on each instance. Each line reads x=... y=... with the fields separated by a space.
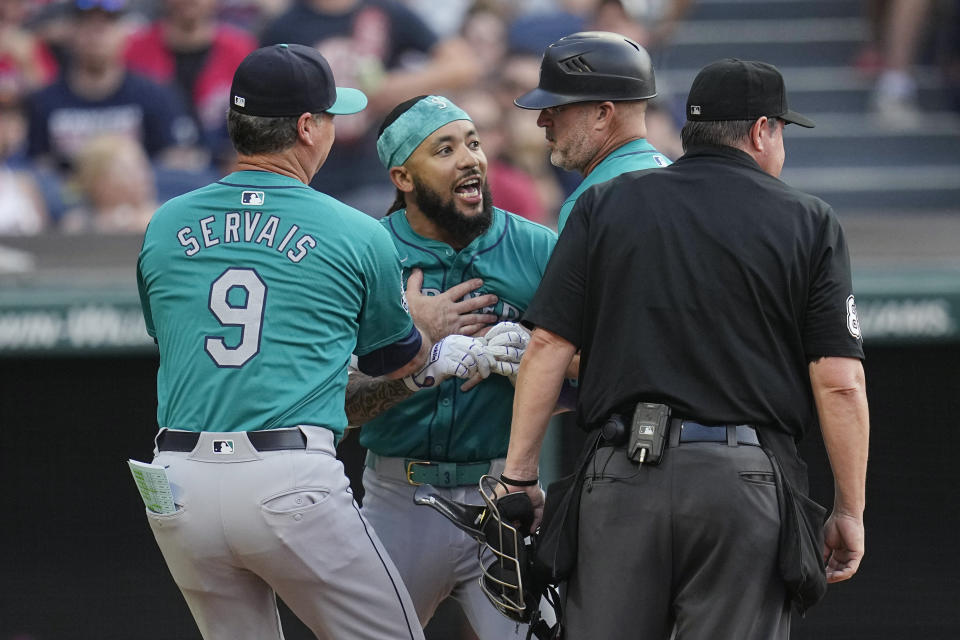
x=469 y=191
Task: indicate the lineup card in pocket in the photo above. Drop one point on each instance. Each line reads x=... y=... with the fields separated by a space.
x=153 y=485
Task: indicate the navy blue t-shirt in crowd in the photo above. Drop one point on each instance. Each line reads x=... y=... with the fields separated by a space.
x=62 y=122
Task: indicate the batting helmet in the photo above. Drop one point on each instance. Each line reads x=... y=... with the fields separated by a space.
x=589 y=66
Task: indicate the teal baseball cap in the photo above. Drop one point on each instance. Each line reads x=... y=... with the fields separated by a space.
x=286 y=80
x=410 y=123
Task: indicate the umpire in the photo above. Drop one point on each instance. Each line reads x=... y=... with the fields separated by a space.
x=715 y=292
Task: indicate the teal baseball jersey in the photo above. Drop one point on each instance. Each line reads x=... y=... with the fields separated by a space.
x=257 y=289
x=445 y=423
x=633 y=156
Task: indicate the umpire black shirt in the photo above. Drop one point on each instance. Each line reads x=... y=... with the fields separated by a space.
x=708 y=285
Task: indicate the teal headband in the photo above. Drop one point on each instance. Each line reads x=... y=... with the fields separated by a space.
x=404 y=135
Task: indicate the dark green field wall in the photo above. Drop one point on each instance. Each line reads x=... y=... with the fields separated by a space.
x=79 y=561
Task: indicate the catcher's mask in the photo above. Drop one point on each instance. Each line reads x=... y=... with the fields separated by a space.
x=505 y=553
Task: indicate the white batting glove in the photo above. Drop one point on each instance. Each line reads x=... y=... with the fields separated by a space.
x=506 y=343
x=454 y=356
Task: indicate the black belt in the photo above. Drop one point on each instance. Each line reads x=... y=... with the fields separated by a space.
x=690 y=431
x=732 y=434
x=266 y=440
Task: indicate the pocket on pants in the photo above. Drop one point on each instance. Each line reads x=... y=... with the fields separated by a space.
x=301 y=500
x=759 y=477
x=161 y=521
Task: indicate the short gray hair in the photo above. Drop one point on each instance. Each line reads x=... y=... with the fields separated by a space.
x=717 y=133
x=252 y=135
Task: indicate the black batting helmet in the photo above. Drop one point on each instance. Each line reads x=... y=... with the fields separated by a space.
x=589 y=66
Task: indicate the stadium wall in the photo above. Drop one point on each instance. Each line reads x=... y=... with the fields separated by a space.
x=79 y=560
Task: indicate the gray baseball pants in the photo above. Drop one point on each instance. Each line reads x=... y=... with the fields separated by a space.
x=436 y=559
x=253 y=525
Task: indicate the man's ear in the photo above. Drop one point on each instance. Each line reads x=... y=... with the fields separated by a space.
x=401 y=179
x=306 y=128
x=758 y=133
x=604 y=114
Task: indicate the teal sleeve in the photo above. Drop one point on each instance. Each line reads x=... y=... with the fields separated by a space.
x=384 y=318
x=145 y=304
x=543 y=252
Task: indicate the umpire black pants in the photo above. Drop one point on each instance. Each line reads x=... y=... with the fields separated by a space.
x=688 y=546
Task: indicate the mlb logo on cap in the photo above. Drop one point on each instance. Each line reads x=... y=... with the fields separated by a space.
x=253 y=198
x=732 y=89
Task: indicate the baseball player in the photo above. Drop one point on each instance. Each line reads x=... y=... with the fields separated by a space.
x=257 y=290
x=592 y=97
x=444 y=223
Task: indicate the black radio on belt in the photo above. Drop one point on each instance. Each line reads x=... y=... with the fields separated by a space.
x=648 y=432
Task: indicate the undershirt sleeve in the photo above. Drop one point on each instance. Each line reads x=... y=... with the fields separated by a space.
x=391 y=357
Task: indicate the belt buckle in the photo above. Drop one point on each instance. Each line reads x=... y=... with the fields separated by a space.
x=410 y=466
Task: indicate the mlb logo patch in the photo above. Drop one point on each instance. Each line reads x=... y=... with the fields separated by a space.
x=694 y=109
x=252 y=198
x=223 y=447
x=240 y=102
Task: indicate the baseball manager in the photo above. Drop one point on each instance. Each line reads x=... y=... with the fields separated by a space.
x=257 y=290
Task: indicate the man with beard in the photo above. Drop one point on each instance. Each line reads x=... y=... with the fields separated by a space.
x=444 y=223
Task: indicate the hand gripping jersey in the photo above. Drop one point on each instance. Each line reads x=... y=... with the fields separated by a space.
x=444 y=423
x=258 y=289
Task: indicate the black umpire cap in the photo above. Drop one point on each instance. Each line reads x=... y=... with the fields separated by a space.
x=590 y=66
x=732 y=89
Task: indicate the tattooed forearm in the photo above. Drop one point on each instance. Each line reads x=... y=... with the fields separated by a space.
x=369 y=397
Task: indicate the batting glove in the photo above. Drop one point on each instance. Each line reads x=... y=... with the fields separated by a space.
x=454 y=356
x=506 y=343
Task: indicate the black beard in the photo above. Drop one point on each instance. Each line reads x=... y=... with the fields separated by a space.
x=460 y=229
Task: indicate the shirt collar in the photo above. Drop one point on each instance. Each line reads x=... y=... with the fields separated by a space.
x=727 y=153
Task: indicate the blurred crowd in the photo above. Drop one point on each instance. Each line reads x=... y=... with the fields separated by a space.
x=108 y=107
